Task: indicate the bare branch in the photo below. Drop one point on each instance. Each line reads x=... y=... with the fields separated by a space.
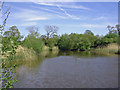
x=51 y=30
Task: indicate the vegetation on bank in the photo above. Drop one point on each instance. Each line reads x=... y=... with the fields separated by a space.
x=109 y=49
x=51 y=41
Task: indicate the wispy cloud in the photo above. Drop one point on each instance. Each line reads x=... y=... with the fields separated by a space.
x=46 y=3
x=45 y=13
x=29 y=24
x=63 y=5
x=37 y=18
x=23 y=24
x=93 y=25
x=28 y=15
x=46 y=9
x=100 y=18
x=71 y=16
x=57 y=11
x=103 y=25
x=62 y=0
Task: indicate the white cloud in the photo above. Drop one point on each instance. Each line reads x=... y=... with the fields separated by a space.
x=23 y=24
x=46 y=9
x=46 y=3
x=93 y=25
x=61 y=4
x=79 y=7
x=63 y=15
x=28 y=15
x=100 y=18
x=35 y=15
x=28 y=24
x=37 y=18
x=71 y=16
x=32 y=15
x=102 y=25
x=61 y=0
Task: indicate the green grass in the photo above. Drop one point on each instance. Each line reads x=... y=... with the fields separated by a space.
x=110 y=49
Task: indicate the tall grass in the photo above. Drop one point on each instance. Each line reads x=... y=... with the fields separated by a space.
x=23 y=53
x=110 y=49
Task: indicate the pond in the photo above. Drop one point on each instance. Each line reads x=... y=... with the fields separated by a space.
x=69 y=69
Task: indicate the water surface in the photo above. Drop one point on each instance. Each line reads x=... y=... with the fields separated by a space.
x=69 y=70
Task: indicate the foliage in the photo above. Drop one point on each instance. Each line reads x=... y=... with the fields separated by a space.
x=84 y=42
x=65 y=43
x=33 y=41
x=75 y=42
x=11 y=39
x=97 y=42
x=51 y=42
x=113 y=36
x=109 y=38
x=6 y=76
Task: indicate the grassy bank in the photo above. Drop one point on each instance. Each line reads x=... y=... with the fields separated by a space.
x=26 y=54
x=23 y=53
x=110 y=49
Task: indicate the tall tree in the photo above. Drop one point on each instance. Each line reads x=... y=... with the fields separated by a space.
x=88 y=32
x=33 y=31
x=51 y=30
x=112 y=29
x=11 y=39
x=13 y=33
x=118 y=28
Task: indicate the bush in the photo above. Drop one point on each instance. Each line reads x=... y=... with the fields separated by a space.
x=112 y=36
x=35 y=43
x=65 y=42
x=51 y=42
x=97 y=42
x=74 y=42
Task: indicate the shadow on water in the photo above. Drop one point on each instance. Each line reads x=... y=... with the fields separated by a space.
x=61 y=69
x=85 y=54
x=51 y=54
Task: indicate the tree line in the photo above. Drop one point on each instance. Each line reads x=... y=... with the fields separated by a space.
x=12 y=38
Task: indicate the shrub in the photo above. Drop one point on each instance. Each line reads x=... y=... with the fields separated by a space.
x=35 y=43
x=51 y=42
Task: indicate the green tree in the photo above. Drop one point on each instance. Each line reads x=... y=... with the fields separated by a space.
x=98 y=42
x=64 y=42
x=11 y=39
x=74 y=42
x=33 y=41
x=51 y=42
x=88 y=32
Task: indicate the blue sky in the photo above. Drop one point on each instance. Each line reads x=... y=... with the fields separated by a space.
x=70 y=17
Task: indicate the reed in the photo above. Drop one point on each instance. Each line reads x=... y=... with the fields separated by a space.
x=23 y=53
x=111 y=48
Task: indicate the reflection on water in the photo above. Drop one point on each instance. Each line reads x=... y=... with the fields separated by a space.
x=68 y=69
